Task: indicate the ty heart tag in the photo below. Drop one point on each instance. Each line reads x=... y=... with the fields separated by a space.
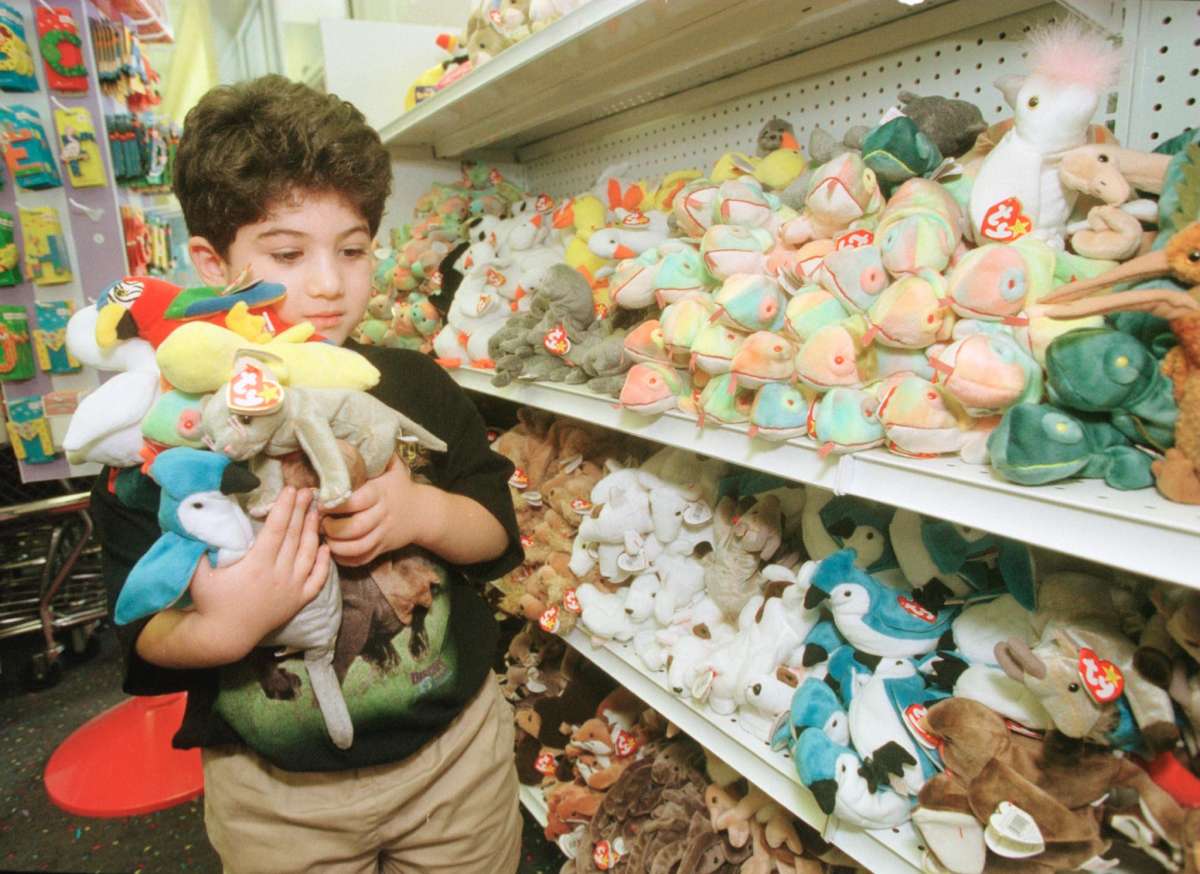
x=571 y=601
x=549 y=620
x=911 y=606
x=854 y=239
x=1004 y=221
x=252 y=391
x=607 y=854
x=1103 y=680
x=556 y=341
x=545 y=764
x=625 y=743
x=913 y=714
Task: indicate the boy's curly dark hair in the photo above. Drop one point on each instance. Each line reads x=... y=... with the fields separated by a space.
x=248 y=146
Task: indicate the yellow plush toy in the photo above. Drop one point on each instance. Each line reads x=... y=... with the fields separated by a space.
x=664 y=196
x=729 y=166
x=585 y=215
x=197 y=357
x=780 y=168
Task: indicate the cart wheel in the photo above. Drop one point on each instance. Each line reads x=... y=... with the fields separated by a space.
x=85 y=644
x=44 y=676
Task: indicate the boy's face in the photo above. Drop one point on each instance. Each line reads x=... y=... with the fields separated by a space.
x=317 y=245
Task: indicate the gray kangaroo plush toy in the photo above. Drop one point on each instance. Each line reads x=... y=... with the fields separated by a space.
x=254 y=417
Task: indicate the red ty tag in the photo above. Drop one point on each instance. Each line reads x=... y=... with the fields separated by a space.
x=854 y=239
x=605 y=856
x=913 y=715
x=1004 y=221
x=544 y=764
x=911 y=606
x=556 y=341
x=571 y=601
x=1102 y=678
x=626 y=744
x=549 y=620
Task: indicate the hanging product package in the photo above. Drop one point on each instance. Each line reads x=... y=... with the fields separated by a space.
x=26 y=149
x=16 y=358
x=10 y=260
x=16 y=61
x=62 y=50
x=29 y=431
x=46 y=258
x=50 y=336
x=79 y=151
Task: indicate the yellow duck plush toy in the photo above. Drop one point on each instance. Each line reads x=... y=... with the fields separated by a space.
x=585 y=215
x=198 y=358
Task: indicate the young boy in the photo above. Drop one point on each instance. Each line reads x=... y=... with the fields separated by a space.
x=291 y=183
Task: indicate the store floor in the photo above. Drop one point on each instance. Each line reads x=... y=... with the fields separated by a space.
x=37 y=836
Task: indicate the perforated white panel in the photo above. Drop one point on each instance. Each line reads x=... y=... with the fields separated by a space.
x=964 y=65
x=1167 y=66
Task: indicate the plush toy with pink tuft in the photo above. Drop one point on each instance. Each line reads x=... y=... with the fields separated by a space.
x=1018 y=190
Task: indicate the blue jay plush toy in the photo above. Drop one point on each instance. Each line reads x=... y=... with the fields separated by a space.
x=832 y=773
x=874 y=618
x=945 y=560
x=198 y=517
x=814 y=705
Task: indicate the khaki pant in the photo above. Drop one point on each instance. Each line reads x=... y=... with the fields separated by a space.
x=450 y=807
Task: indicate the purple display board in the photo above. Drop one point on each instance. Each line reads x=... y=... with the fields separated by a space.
x=90 y=219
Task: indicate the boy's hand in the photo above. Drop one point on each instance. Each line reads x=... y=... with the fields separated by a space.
x=283 y=571
x=385 y=513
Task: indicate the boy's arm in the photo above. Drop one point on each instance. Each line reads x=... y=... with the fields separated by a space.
x=235 y=607
x=468 y=517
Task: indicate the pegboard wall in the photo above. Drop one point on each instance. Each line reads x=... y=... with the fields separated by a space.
x=963 y=65
x=1166 y=64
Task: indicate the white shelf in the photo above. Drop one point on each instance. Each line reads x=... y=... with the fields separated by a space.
x=1137 y=531
x=616 y=63
x=534 y=801
x=895 y=851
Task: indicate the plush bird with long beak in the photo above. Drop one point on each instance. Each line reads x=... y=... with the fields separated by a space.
x=151 y=308
x=107 y=425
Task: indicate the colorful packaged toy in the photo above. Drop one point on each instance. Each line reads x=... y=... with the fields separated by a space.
x=26 y=150
x=46 y=259
x=10 y=263
x=62 y=50
x=16 y=361
x=16 y=62
x=79 y=151
x=29 y=431
x=50 y=336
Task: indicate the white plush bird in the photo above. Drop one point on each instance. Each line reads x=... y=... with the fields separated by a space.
x=107 y=425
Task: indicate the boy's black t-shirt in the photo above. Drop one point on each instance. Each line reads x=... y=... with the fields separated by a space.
x=403 y=683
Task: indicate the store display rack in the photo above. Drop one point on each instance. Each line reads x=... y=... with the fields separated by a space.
x=896 y=850
x=614 y=64
x=1137 y=531
x=658 y=86
x=534 y=801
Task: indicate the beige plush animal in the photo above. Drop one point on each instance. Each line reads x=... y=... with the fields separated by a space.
x=255 y=418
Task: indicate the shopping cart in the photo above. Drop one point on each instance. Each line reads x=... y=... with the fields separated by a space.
x=51 y=588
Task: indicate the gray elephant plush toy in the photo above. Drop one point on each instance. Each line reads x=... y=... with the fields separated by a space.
x=256 y=418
